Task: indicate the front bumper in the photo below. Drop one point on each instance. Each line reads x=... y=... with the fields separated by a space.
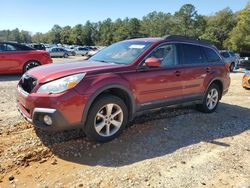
x=58 y=121
x=65 y=109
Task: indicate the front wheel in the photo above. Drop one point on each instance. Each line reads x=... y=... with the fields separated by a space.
x=106 y=119
x=211 y=99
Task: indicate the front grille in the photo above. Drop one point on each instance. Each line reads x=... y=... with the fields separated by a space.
x=28 y=83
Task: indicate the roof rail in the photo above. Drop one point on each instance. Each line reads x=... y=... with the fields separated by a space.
x=187 y=38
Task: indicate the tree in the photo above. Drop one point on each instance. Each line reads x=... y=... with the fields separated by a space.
x=65 y=35
x=106 y=32
x=134 y=28
x=121 y=30
x=76 y=34
x=219 y=26
x=157 y=24
x=239 y=38
x=186 y=19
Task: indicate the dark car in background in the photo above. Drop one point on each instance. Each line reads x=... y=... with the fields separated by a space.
x=37 y=46
x=18 y=58
x=244 y=63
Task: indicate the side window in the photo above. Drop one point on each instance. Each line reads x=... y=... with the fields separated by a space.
x=211 y=55
x=2 y=47
x=192 y=54
x=10 y=47
x=232 y=54
x=54 y=50
x=225 y=54
x=167 y=54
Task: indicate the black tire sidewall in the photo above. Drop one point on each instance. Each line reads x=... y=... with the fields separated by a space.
x=232 y=67
x=97 y=105
x=26 y=64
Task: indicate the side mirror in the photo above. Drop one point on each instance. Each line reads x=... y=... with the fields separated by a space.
x=153 y=62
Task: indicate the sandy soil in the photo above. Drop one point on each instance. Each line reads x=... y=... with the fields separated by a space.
x=172 y=147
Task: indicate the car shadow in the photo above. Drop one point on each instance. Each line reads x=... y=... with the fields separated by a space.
x=155 y=134
x=10 y=77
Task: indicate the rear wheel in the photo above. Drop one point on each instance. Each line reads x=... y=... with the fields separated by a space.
x=29 y=65
x=211 y=99
x=65 y=55
x=232 y=67
x=106 y=119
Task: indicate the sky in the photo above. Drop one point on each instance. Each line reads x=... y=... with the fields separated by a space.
x=41 y=15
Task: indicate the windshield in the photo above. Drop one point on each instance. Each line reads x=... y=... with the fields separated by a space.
x=122 y=52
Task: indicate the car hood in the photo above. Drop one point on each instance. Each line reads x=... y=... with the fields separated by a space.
x=54 y=71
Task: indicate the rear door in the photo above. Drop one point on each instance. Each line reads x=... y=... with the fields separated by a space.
x=54 y=52
x=155 y=86
x=194 y=71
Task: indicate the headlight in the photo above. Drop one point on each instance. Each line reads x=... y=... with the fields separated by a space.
x=61 y=84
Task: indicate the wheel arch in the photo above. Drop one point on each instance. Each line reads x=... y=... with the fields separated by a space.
x=219 y=83
x=118 y=90
x=30 y=60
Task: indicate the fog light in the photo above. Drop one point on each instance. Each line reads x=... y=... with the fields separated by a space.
x=47 y=120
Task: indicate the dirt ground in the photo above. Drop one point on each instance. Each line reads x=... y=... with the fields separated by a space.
x=172 y=147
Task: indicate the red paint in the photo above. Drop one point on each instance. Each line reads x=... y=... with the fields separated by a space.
x=146 y=86
x=14 y=62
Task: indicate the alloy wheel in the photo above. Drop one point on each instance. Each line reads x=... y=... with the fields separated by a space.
x=108 y=120
x=212 y=98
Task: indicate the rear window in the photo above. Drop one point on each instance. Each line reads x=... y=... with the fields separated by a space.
x=211 y=55
x=225 y=54
x=17 y=47
x=192 y=54
x=232 y=54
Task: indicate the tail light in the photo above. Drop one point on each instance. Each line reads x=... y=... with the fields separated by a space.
x=227 y=67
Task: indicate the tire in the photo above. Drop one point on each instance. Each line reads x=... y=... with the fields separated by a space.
x=211 y=99
x=29 y=65
x=232 y=67
x=100 y=125
x=65 y=55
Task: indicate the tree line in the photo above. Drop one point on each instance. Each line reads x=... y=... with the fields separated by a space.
x=225 y=29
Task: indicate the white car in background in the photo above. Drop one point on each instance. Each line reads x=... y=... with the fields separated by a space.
x=81 y=51
x=230 y=59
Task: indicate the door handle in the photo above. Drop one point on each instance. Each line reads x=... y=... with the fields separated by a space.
x=208 y=69
x=177 y=73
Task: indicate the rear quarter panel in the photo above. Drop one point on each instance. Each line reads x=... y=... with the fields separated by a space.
x=218 y=72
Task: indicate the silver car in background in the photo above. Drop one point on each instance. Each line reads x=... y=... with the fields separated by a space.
x=81 y=51
x=230 y=59
x=58 y=52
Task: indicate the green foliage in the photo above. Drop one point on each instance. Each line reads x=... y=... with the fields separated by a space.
x=219 y=26
x=225 y=29
x=239 y=38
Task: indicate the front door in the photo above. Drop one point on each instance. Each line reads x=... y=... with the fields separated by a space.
x=156 y=85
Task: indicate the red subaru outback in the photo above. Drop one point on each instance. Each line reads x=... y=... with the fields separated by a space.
x=105 y=92
x=17 y=58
